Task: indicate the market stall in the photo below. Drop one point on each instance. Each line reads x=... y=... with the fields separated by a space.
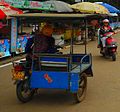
x=5 y=28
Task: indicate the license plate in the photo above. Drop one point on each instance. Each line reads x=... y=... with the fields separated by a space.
x=17 y=75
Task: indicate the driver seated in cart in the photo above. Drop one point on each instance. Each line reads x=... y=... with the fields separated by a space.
x=44 y=42
x=41 y=42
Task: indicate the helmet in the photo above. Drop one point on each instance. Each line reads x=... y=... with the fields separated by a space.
x=105 y=21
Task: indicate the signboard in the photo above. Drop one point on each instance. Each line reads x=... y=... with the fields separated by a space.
x=28 y=4
x=21 y=44
x=39 y=5
x=4 y=48
x=13 y=34
x=15 y=3
x=8 y=11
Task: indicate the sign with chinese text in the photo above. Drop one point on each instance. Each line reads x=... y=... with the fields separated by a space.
x=26 y=4
x=15 y=3
x=13 y=34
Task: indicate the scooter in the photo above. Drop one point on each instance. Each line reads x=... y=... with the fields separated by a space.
x=111 y=46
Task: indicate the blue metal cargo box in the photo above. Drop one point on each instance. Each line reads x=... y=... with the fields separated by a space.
x=56 y=80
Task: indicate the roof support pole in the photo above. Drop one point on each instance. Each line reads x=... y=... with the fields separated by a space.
x=86 y=35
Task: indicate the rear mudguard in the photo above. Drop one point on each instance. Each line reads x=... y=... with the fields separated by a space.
x=89 y=72
x=18 y=81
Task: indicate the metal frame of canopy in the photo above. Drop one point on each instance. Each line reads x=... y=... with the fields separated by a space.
x=54 y=17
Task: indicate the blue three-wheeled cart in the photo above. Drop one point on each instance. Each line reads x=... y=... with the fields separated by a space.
x=54 y=71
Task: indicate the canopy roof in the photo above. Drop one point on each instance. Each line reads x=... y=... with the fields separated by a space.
x=55 y=16
x=52 y=15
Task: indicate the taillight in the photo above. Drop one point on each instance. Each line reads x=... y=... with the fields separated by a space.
x=114 y=50
x=18 y=68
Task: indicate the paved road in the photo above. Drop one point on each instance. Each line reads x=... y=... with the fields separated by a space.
x=103 y=94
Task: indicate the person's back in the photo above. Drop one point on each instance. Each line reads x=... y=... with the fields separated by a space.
x=51 y=45
x=41 y=43
x=44 y=42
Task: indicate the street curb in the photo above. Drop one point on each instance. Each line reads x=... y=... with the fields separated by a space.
x=11 y=59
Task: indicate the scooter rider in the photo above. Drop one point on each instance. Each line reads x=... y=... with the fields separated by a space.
x=103 y=30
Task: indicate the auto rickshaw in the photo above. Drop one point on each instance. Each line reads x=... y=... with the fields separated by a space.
x=67 y=72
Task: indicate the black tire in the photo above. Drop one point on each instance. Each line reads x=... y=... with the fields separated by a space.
x=81 y=93
x=114 y=57
x=23 y=91
x=103 y=54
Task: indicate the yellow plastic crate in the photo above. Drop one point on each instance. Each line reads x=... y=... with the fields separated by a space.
x=68 y=33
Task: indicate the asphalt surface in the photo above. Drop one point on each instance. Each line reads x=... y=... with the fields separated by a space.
x=103 y=91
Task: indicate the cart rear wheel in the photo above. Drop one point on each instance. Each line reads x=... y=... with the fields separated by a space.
x=114 y=57
x=23 y=91
x=81 y=93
